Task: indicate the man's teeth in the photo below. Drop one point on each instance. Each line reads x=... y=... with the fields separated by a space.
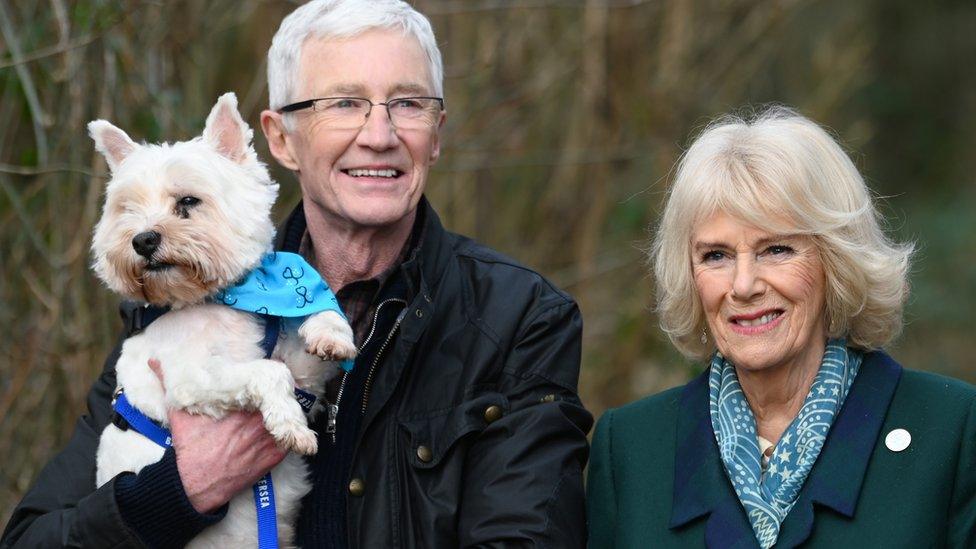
x=373 y=173
x=764 y=319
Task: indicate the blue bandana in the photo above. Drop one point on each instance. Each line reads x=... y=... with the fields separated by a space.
x=768 y=497
x=283 y=285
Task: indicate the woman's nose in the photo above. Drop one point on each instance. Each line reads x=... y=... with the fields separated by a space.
x=745 y=280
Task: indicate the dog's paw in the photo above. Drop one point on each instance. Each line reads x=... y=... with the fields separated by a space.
x=297 y=438
x=331 y=349
x=329 y=336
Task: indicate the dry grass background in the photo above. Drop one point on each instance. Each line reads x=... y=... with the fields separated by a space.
x=565 y=119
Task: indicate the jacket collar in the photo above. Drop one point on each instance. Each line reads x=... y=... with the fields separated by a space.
x=424 y=266
x=701 y=487
x=423 y=270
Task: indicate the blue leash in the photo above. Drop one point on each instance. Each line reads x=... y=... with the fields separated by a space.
x=264 y=503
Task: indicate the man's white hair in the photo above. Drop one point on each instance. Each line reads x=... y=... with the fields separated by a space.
x=326 y=19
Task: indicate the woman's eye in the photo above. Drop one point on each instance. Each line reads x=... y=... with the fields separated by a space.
x=712 y=255
x=779 y=249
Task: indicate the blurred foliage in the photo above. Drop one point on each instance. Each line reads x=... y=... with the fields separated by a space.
x=565 y=120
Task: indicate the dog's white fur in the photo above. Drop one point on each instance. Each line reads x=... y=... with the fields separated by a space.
x=211 y=355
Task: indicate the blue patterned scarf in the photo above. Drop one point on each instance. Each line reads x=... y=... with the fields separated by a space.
x=284 y=285
x=768 y=498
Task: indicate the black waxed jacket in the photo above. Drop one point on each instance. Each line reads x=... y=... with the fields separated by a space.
x=473 y=435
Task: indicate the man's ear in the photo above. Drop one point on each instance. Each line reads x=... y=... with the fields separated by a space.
x=114 y=144
x=226 y=131
x=279 y=141
x=435 y=150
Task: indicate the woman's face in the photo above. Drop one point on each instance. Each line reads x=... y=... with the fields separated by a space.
x=762 y=293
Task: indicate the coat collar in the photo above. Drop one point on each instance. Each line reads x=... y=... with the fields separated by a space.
x=701 y=487
x=423 y=270
x=424 y=266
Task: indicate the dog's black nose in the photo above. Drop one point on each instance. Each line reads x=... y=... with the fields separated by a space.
x=146 y=243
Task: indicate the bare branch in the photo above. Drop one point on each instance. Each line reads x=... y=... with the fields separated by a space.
x=51 y=50
x=448 y=7
x=25 y=219
x=38 y=117
x=53 y=168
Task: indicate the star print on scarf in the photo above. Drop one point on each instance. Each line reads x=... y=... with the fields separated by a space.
x=768 y=498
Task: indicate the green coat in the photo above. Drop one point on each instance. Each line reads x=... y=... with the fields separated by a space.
x=656 y=479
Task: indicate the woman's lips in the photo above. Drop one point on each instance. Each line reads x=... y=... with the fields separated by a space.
x=757 y=323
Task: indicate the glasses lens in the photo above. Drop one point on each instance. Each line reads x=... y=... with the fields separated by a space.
x=414 y=112
x=342 y=112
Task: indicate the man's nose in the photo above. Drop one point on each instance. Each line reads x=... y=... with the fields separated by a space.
x=378 y=132
x=745 y=279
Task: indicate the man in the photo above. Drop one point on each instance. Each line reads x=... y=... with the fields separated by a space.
x=459 y=425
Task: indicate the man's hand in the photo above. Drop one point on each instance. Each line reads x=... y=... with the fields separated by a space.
x=219 y=458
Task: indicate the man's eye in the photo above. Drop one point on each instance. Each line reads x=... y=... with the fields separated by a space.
x=406 y=104
x=343 y=103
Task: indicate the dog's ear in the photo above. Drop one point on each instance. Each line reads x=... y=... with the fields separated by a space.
x=226 y=131
x=113 y=143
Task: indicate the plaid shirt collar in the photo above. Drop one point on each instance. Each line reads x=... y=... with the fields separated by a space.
x=358 y=298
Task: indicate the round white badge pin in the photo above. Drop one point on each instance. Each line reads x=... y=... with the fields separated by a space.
x=898 y=439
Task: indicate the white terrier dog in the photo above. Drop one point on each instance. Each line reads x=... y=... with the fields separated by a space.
x=181 y=224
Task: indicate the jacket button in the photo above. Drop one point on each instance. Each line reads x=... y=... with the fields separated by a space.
x=493 y=413
x=357 y=487
x=424 y=454
x=419 y=313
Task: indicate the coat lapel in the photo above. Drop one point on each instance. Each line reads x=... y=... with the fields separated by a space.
x=700 y=485
x=836 y=479
x=702 y=489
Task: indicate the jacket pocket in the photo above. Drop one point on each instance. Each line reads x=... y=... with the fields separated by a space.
x=432 y=435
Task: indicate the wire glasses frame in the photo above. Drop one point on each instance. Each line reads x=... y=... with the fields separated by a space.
x=349 y=113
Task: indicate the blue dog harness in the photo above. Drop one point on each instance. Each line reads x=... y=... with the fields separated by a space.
x=283 y=287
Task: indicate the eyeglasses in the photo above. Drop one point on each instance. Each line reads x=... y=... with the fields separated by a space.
x=351 y=113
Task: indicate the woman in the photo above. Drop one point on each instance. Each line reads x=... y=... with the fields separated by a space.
x=770 y=262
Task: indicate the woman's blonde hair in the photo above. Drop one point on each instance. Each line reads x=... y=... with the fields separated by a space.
x=784 y=173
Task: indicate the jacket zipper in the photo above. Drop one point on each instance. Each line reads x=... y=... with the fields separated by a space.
x=333 y=409
x=379 y=355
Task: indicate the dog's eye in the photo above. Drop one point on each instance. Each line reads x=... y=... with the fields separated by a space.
x=184 y=204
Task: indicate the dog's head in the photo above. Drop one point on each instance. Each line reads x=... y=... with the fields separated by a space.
x=182 y=221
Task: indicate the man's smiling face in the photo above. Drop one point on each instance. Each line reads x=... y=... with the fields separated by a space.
x=373 y=176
